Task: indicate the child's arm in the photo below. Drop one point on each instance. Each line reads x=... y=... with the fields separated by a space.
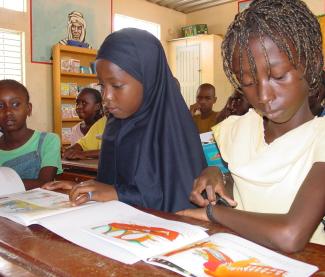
x=285 y=232
x=76 y=152
x=46 y=174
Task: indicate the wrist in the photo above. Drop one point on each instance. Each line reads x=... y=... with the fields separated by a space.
x=209 y=212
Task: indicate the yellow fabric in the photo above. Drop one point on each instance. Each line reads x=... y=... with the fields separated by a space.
x=204 y=125
x=268 y=176
x=93 y=139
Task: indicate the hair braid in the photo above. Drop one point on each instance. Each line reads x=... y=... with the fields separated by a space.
x=289 y=24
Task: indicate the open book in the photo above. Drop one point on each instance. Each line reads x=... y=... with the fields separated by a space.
x=124 y=233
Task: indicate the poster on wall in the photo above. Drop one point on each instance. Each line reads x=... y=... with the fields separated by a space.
x=80 y=23
x=243 y=4
x=321 y=20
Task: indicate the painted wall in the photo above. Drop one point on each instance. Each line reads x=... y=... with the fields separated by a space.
x=39 y=76
x=219 y=17
x=170 y=21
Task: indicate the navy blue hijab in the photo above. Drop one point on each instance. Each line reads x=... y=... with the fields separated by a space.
x=152 y=157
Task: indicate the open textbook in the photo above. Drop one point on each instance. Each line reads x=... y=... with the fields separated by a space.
x=124 y=233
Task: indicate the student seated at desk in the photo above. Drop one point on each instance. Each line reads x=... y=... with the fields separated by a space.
x=34 y=155
x=89 y=108
x=272 y=52
x=87 y=147
x=151 y=152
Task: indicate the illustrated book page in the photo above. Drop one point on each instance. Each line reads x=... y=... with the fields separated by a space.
x=121 y=232
x=225 y=254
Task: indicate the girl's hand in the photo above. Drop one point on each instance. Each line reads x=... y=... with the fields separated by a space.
x=55 y=185
x=195 y=213
x=211 y=181
x=92 y=190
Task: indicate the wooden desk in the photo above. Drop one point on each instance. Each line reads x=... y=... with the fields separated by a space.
x=78 y=170
x=36 y=250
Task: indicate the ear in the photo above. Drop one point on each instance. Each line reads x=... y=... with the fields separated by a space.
x=29 y=108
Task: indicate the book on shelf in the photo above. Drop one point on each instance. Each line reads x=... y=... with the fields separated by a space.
x=68 y=111
x=66 y=134
x=124 y=233
x=69 y=89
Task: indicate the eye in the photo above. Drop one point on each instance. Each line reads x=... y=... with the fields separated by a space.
x=117 y=86
x=1 y=106
x=15 y=104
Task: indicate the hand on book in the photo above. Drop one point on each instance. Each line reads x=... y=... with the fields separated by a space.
x=83 y=192
x=212 y=182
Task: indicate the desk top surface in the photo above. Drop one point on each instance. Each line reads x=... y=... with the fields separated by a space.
x=87 y=165
x=43 y=253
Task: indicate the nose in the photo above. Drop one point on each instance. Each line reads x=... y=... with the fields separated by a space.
x=265 y=91
x=107 y=94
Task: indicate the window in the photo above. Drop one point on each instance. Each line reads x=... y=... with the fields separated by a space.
x=123 y=21
x=16 y=5
x=11 y=62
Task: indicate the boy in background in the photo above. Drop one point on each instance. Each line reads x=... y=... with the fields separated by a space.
x=205 y=98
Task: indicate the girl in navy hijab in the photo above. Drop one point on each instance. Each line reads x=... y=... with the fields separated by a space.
x=151 y=152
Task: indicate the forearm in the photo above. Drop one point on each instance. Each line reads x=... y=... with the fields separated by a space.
x=93 y=154
x=32 y=184
x=275 y=231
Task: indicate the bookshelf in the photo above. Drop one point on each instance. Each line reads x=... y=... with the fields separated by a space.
x=65 y=84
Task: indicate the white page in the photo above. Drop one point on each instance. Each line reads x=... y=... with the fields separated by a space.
x=207 y=137
x=75 y=227
x=223 y=246
x=10 y=182
x=27 y=207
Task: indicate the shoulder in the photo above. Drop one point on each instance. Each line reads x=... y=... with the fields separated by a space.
x=100 y=123
x=50 y=137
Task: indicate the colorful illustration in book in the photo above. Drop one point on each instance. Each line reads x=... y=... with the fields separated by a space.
x=18 y=206
x=136 y=233
x=219 y=264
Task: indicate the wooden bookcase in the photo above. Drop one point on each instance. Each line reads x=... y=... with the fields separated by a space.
x=85 y=56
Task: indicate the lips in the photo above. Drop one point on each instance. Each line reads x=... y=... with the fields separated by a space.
x=112 y=109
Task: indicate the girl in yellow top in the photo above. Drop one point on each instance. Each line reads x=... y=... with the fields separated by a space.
x=276 y=152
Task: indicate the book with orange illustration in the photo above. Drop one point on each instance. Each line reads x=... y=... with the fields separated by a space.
x=124 y=233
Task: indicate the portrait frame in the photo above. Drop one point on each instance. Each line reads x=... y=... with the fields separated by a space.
x=48 y=24
x=243 y=4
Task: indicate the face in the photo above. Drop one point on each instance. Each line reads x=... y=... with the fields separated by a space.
x=205 y=98
x=76 y=30
x=122 y=93
x=14 y=110
x=281 y=93
x=86 y=106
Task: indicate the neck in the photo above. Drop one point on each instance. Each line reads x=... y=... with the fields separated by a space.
x=16 y=138
x=206 y=114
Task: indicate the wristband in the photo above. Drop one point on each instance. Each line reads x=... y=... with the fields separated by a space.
x=209 y=212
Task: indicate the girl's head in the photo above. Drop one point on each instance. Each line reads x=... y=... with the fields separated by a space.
x=89 y=104
x=272 y=53
x=128 y=70
x=14 y=105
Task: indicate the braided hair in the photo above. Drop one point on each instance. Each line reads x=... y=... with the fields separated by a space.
x=289 y=24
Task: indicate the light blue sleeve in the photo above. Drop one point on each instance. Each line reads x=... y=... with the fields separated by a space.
x=51 y=154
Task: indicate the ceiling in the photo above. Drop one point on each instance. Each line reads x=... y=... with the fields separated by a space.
x=187 y=6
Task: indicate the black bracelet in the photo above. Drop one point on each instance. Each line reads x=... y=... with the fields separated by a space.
x=209 y=211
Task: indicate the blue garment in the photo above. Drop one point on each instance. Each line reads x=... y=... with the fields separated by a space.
x=323 y=113
x=152 y=157
x=28 y=166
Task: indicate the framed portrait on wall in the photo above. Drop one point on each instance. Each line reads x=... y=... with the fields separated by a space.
x=84 y=22
x=243 y=4
x=321 y=20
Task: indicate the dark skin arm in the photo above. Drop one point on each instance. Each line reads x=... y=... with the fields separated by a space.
x=75 y=152
x=45 y=175
x=288 y=232
x=78 y=192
